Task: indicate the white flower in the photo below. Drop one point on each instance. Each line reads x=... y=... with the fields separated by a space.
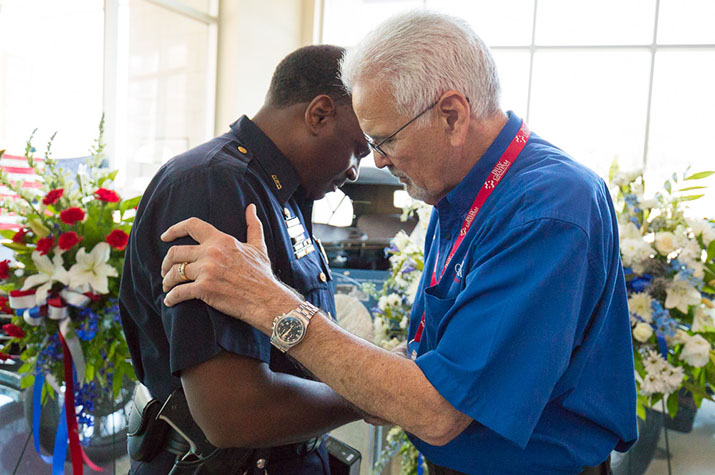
x=650 y=203
x=665 y=242
x=48 y=272
x=703 y=228
x=379 y=331
x=629 y=231
x=661 y=376
x=673 y=378
x=681 y=294
x=691 y=251
x=424 y=212
x=640 y=304
x=401 y=240
x=680 y=337
x=642 y=332
x=637 y=189
x=404 y=322
x=696 y=351
x=390 y=300
x=93 y=269
x=412 y=248
x=703 y=318
x=633 y=174
x=401 y=282
x=390 y=344
x=653 y=362
x=634 y=252
x=619 y=179
x=692 y=256
x=412 y=291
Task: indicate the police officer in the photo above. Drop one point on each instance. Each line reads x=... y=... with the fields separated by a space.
x=242 y=392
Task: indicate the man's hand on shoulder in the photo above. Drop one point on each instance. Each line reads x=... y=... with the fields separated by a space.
x=233 y=277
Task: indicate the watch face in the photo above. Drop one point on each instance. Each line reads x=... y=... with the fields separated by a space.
x=290 y=329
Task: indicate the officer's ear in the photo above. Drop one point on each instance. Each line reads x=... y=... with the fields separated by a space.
x=319 y=113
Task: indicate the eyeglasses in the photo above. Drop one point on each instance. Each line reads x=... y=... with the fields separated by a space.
x=376 y=147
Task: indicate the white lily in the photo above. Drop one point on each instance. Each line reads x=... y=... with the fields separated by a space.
x=681 y=294
x=48 y=272
x=93 y=269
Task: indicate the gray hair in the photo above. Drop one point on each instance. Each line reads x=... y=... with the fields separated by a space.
x=419 y=55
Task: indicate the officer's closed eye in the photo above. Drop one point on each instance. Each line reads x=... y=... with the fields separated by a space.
x=362 y=150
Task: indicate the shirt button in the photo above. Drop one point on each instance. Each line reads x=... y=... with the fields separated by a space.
x=447 y=236
x=242 y=149
x=323 y=277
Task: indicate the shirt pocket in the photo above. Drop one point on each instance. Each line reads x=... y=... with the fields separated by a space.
x=312 y=280
x=436 y=307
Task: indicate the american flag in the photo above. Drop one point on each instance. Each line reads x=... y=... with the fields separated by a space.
x=19 y=172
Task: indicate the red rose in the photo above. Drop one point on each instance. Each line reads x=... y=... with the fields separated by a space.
x=72 y=215
x=68 y=240
x=4 y=356
x=52 y=197
x=5 y=305
x=13 y=330
x=117 y=239
x=19 y=236
x=45 y=244
x=4 y=269
x=104 y=194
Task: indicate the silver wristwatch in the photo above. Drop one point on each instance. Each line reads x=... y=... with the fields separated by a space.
x=289 y=328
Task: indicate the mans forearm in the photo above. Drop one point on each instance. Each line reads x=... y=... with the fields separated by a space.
x=379 y=382
x=239 y=402
x=295 y=409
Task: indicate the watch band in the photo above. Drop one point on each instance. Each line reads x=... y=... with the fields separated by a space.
x=306 y=309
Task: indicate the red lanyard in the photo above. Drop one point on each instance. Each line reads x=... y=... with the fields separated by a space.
x=507 y=159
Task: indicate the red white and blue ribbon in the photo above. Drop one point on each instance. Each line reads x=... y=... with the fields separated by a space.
x=56 y=308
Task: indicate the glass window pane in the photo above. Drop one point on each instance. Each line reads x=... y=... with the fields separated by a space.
x=204 y=6
x=605 y=22
x=592 y=104
x=682 y=120
x=503 y=23
x=50 y=74
x=345 y=22
x=513 y=68
x=686 y=22
x=163 y=91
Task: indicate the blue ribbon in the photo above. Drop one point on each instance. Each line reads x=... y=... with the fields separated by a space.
x=60 y=451
x=420 y=468
x=36 y=410
x=662 y=344
x=57 y=459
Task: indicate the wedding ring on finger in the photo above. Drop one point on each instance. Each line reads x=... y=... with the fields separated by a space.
x=182 y=273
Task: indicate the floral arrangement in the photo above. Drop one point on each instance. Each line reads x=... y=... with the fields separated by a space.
x=63 y=282
x=390 y=318
x=669 y=262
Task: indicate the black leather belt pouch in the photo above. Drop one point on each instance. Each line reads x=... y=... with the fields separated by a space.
x=145 y=433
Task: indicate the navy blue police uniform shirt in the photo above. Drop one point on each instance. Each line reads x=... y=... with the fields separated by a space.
x=528 y=330
x=216 y=181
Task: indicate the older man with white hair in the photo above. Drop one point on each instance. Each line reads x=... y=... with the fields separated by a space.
x=520 y=357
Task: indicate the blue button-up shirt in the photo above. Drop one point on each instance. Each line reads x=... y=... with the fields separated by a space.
x=528 y=330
